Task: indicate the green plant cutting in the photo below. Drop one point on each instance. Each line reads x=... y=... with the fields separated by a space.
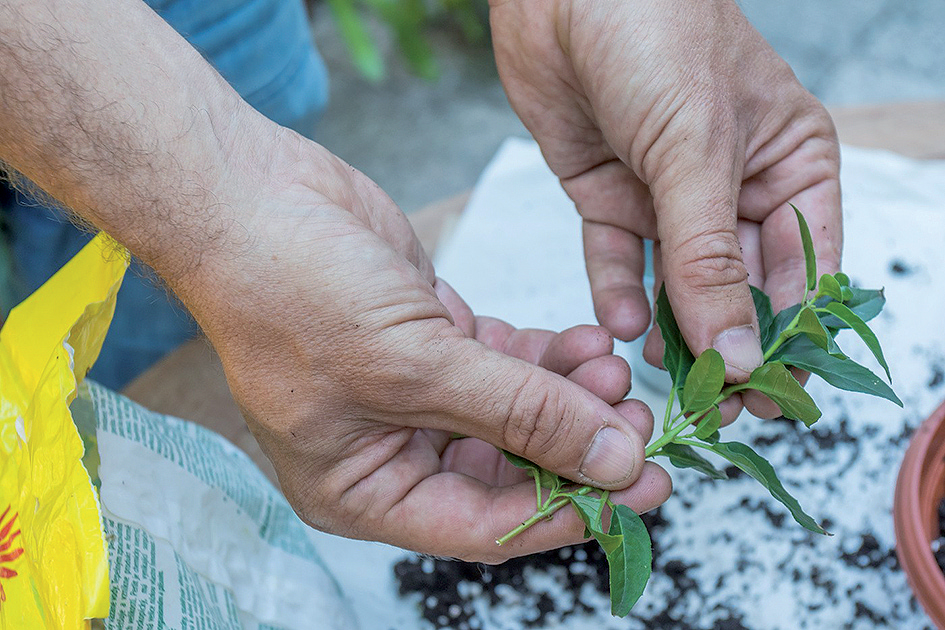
x=801 y=336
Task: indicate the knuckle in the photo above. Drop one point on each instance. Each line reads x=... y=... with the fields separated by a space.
x=535 y=419
x=711 y=260
x=700 y=124
x=815 y=118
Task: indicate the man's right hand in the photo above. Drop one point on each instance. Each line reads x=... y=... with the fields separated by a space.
x=354 y=365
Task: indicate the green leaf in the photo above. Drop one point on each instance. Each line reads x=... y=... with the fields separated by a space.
x=777 y=382
x=810 y=257
x=712 y=439
x=549 y=480
x=853 y=320
x=758 y=467
x=630 y=563
x=843 y=374
x=704 y=382
x=763 y=309
x=829 y=286
x=677 y=358
x=842 y=279
x=683 y=456
x=709 y=425
x=591 y=511
x=781 y=321
x=627 y=547
x=519 y=462
x=546 y=478
x=810 y=324
x=866 y=303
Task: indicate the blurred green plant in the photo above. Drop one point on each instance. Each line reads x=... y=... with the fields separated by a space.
x=408 y=21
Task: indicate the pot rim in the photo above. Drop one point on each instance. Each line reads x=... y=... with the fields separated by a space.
x=920 y=488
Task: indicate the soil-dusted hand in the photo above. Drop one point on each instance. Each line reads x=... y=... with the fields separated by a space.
x=313 y=288
x=677 y=122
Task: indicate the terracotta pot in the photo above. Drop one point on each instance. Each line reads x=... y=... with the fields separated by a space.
x=919 y=491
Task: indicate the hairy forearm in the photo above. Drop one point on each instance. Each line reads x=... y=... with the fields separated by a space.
x=112 y=113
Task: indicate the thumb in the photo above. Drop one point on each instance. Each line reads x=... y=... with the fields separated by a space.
x=539 y=415
x=706 y=278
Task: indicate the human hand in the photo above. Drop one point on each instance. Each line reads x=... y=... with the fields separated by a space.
x=677 y=123
x=353 y=366
x=314 y=290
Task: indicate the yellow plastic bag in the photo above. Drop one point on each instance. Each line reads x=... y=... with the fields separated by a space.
x=53 y=555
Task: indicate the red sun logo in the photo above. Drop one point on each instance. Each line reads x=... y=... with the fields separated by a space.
x=8 y=553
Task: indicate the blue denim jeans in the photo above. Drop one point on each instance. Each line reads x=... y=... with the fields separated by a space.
x=264 y=48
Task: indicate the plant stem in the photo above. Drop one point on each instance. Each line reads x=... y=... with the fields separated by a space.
x=545 y=513
x=667 y=416
x=695 y=443
x=537 y=478
x=786 y=334
x=670 y=435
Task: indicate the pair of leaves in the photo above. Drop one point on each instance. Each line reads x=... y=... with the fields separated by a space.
x=830 y=287
x=818 y=353
x=707 y=376
x=627 y=546
x=808 y=323
x=800 y=318
x=844 y=374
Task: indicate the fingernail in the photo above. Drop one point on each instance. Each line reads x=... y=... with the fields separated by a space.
x=611 y=457
x=740 y=348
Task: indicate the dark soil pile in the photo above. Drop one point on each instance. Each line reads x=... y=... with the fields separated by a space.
x=449 y=587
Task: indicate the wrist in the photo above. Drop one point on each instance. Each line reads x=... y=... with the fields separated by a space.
x=194 y=195
x=273 y=192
